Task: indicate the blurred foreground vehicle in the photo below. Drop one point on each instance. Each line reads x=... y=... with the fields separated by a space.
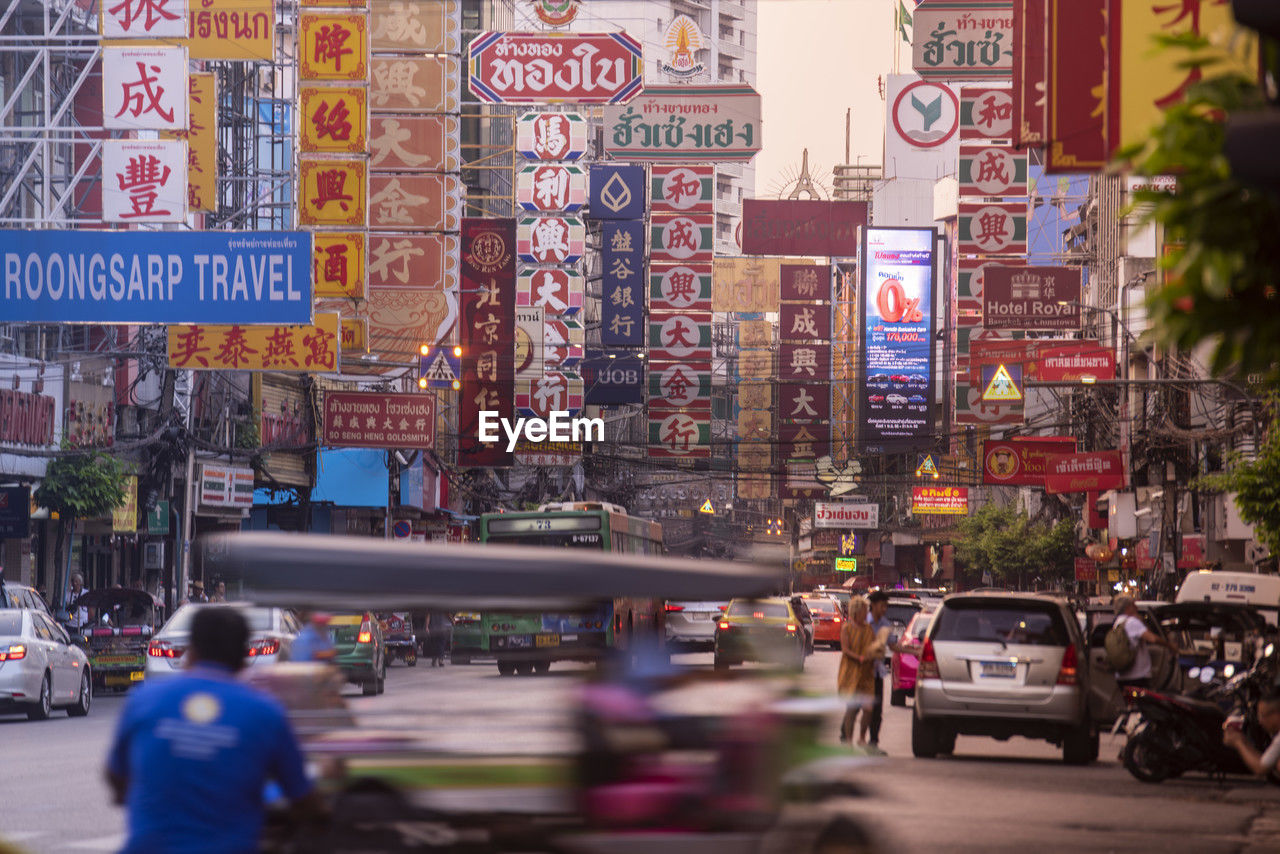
x=40 y=668
x=765 y=630
x=729 y=767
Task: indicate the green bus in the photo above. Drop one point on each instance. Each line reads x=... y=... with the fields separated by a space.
x=525 y=642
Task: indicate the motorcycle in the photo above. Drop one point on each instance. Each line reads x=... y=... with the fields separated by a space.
x=1181 y=733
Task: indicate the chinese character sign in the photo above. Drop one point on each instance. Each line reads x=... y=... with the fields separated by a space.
x=144 y=19
x=551 y=187
x=556 y=290
x=415 y=143
x=550 y=239
x=332 y=192
x=683 y=238
x=256 y=347
x=202 y=142
x=623 y=276
x=551 y=136
x=338 y=264
x=805 y=283
x=992 y=170
x=986 y=113
x=488 y=310
x=428 y=201
x=680 y=287
x=993 y=229
x=333 y=119
x=144 y=181
x=416 y=85
x=683 y=189
x=144 y=88
x=404 y=26
x=333 y=47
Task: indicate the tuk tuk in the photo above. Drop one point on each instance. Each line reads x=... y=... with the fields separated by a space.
x=753 y=780
x=116 y=638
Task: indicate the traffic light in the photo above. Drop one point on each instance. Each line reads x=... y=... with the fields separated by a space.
x=1251 y=138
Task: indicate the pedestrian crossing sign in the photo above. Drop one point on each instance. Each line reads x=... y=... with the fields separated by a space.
x=1004 y=384
x=927 y=467
x=707 y=508
x=441 y=369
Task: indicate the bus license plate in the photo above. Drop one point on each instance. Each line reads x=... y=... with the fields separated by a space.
x=546 y=640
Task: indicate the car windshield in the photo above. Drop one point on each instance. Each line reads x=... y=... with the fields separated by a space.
x=10 y=622
x=827 y=606
x=1029 y=623
x=758 y=609
x=259 y=619
x=901 y=613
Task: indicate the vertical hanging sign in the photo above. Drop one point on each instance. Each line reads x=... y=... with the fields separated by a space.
x=488 y=315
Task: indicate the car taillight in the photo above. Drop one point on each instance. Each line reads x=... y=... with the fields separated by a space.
x=835 y=619
x=724 y=624
x=1067 y=674
x=669 y=608
x=791 y=627
x=266 y=646
x=164 y=649
x=366 y=631
x=13 y=653
x=928 y=668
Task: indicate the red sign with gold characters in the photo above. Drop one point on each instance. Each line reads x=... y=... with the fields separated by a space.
x=555 y=68
x=332 y=192
x=940 y=500
x=358 y=419
x=333 y=119
x=334 y=47
x=303 y=347
x=488 y=326
x=1021 y=463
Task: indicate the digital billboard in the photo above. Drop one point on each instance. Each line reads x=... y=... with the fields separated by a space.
x=898 y=322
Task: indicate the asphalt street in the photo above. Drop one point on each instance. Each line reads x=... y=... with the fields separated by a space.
x=991 y=796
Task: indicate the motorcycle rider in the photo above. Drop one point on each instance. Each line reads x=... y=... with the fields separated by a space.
x=1139 y=673
x=1263 y=763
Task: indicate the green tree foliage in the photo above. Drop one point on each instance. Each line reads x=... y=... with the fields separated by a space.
x=1256 y=482
x=1220 y=285
x=1014 y=550
x=79 y=486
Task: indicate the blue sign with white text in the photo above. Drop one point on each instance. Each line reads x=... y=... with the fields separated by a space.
x=617 y=191
x=622 y=276
x=89 y=276
x=615 y=380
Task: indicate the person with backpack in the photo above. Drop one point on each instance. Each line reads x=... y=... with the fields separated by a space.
x=1127 y=643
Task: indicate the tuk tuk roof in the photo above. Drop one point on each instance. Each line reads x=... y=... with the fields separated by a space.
x=110 y=597
x=322 y=571
x=1203 y=615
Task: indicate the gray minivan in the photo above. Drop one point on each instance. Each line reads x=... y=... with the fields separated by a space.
x=1000 y=665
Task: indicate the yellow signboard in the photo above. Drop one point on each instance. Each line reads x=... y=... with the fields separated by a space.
x=305 y=347
x=124 y=519
x=338 y=264
x=746 y=284
x=202 y=142
x=334 y=47
x=232 y=29
x=355 y=335
x=846 y=564
x=333 y=119
x=332 y=192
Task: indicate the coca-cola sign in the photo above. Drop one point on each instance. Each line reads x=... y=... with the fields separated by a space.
x=555 y=68
x=828 y=514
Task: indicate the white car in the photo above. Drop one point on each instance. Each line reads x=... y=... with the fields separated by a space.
x=40 y=668
x=692 y=625
x=271 y=634
x=895 y=400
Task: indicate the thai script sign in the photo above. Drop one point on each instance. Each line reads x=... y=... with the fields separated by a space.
x=554 y=68
x=27 y=418
x=236 y=29
x=701 y=123
x=155 y=277
x=802 y=227
x=834 y=515
x=355 y=419
x=1045 y=360
x=1097 y=471
x=940 y=500
x=1020 y=463
x=312 y=348
x=1031 y=298
x=748 y=285
x=963 y=41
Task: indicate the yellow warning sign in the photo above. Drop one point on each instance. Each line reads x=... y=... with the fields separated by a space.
x=707 y=508
x=927 y=467
x=1002 y=387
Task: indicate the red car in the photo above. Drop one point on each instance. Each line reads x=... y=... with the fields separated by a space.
x=828 y=618
x=903 y=665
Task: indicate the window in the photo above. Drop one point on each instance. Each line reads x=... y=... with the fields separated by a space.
x=41 y=627
x=1009 y=622
x=760 y=610
x=10 y=623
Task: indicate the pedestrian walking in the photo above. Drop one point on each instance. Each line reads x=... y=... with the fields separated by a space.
x=77 y=616
x=1138 y=673
x=439 y=635
x=883 y=628
x=855 y=678
x=192 y=755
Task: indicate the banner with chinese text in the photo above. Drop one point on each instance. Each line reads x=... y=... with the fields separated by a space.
x=487 y=317
x=259 y=347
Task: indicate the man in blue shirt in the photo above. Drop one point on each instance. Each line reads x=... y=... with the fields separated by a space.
x=877 y=620
x=312 y=643
x=191 y=756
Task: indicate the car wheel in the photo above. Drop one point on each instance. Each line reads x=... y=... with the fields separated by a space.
x=542 y=667
x=506 y=668
x=370 y=688
x=381 y=682
x=946 y=741
x=44 y=705
x=897 y=697
x=721 y=663
x=1080 y=746
x=924 y=738
x=524 y=668
x=81 y=707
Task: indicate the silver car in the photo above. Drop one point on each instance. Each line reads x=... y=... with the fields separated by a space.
x=40 y=668
x=1004 y=664
x=271 y=634
x=692 y=625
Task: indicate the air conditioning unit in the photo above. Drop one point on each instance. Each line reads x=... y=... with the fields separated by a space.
x=153 y=555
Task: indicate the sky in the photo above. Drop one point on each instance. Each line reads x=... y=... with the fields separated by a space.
x=815 y=60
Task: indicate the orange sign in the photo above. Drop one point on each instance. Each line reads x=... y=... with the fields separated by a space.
x=355 y=335
x=256 y=348
x=415 y=84
x=401 y=319
x=332 y=192
x=413 y=261
x=338 y=264
x=400 y=27
x=202 y=142
x=415 y=143
x=424 y=202
x=333 y=119
x=334 y=47
x=232 y=29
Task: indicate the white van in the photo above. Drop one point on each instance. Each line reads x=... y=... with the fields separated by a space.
x=1244 y=588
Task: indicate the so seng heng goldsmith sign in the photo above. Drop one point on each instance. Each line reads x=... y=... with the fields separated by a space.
x=555 y=68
